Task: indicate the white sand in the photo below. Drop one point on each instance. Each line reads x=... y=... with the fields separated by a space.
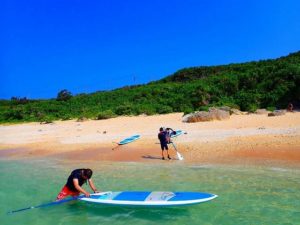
x=203 y=141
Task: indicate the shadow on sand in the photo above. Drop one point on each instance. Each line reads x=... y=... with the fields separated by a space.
x=154 y=157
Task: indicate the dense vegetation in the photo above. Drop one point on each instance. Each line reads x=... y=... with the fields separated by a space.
x=246 y=86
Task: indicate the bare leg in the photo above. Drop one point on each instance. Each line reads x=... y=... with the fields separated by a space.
x=168 y=154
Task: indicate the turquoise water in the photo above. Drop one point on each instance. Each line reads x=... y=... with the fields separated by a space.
x=246 y=195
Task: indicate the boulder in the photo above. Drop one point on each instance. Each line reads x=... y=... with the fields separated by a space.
x=230 y=110
x=277 y=113
x=202 y=116
x=224 y=108
x=236 y=112
x=262 y=111
x=219 y=114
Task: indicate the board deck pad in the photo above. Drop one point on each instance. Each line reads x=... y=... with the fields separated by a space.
x=147 y=198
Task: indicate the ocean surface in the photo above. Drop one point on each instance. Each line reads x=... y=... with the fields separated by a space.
x=247 y=195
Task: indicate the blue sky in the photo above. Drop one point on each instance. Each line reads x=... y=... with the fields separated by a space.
x=87 y=46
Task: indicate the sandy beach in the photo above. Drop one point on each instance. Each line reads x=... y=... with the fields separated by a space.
x=242 y=139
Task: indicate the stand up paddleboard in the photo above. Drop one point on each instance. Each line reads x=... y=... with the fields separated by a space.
x=144 y=198
x=128 y=140
x=178 y=132
x=135 y=198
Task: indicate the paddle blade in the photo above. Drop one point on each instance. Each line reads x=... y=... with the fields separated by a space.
x=180 y=157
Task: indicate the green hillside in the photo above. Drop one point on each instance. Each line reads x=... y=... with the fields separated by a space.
x=246 y=86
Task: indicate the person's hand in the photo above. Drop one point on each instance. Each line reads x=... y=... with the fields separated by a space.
x=96 y=191
x=87 y=194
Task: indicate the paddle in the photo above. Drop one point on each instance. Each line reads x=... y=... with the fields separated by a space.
x=46 y=204
x=180 y=157
x=118 y=145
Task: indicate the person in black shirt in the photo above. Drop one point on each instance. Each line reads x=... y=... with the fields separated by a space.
x=163 y=138
x=76 y=179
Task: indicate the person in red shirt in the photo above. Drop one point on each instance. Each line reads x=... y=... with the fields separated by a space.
x=73 y=186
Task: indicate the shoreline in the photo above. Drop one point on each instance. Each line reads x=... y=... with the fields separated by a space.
x=241 y=140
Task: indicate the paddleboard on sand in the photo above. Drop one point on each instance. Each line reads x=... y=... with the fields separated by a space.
x=145 y=198
x=178 y=132
x=129 y=139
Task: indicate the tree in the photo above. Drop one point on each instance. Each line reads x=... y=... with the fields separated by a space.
x=64 y=95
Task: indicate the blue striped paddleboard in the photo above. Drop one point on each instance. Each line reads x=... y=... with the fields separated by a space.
x=178 y=132
x=130 y=139
x=146 y=198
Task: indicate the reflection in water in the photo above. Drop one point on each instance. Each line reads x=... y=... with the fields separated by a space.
x=152 y=214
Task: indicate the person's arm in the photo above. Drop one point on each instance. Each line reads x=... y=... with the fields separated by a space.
x=92 y=185
x=80 y=189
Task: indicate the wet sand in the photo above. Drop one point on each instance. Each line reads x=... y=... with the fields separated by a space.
x=243 y=139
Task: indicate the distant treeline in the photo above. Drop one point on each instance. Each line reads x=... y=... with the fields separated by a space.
x=246 y=86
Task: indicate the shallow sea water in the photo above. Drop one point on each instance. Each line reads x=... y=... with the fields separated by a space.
x=247 y=195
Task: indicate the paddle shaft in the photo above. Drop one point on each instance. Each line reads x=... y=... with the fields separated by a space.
x=180 y=157
x=45 y=205
x=116 y=147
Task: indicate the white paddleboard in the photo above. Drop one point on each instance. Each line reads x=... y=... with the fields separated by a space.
x=146 y=198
